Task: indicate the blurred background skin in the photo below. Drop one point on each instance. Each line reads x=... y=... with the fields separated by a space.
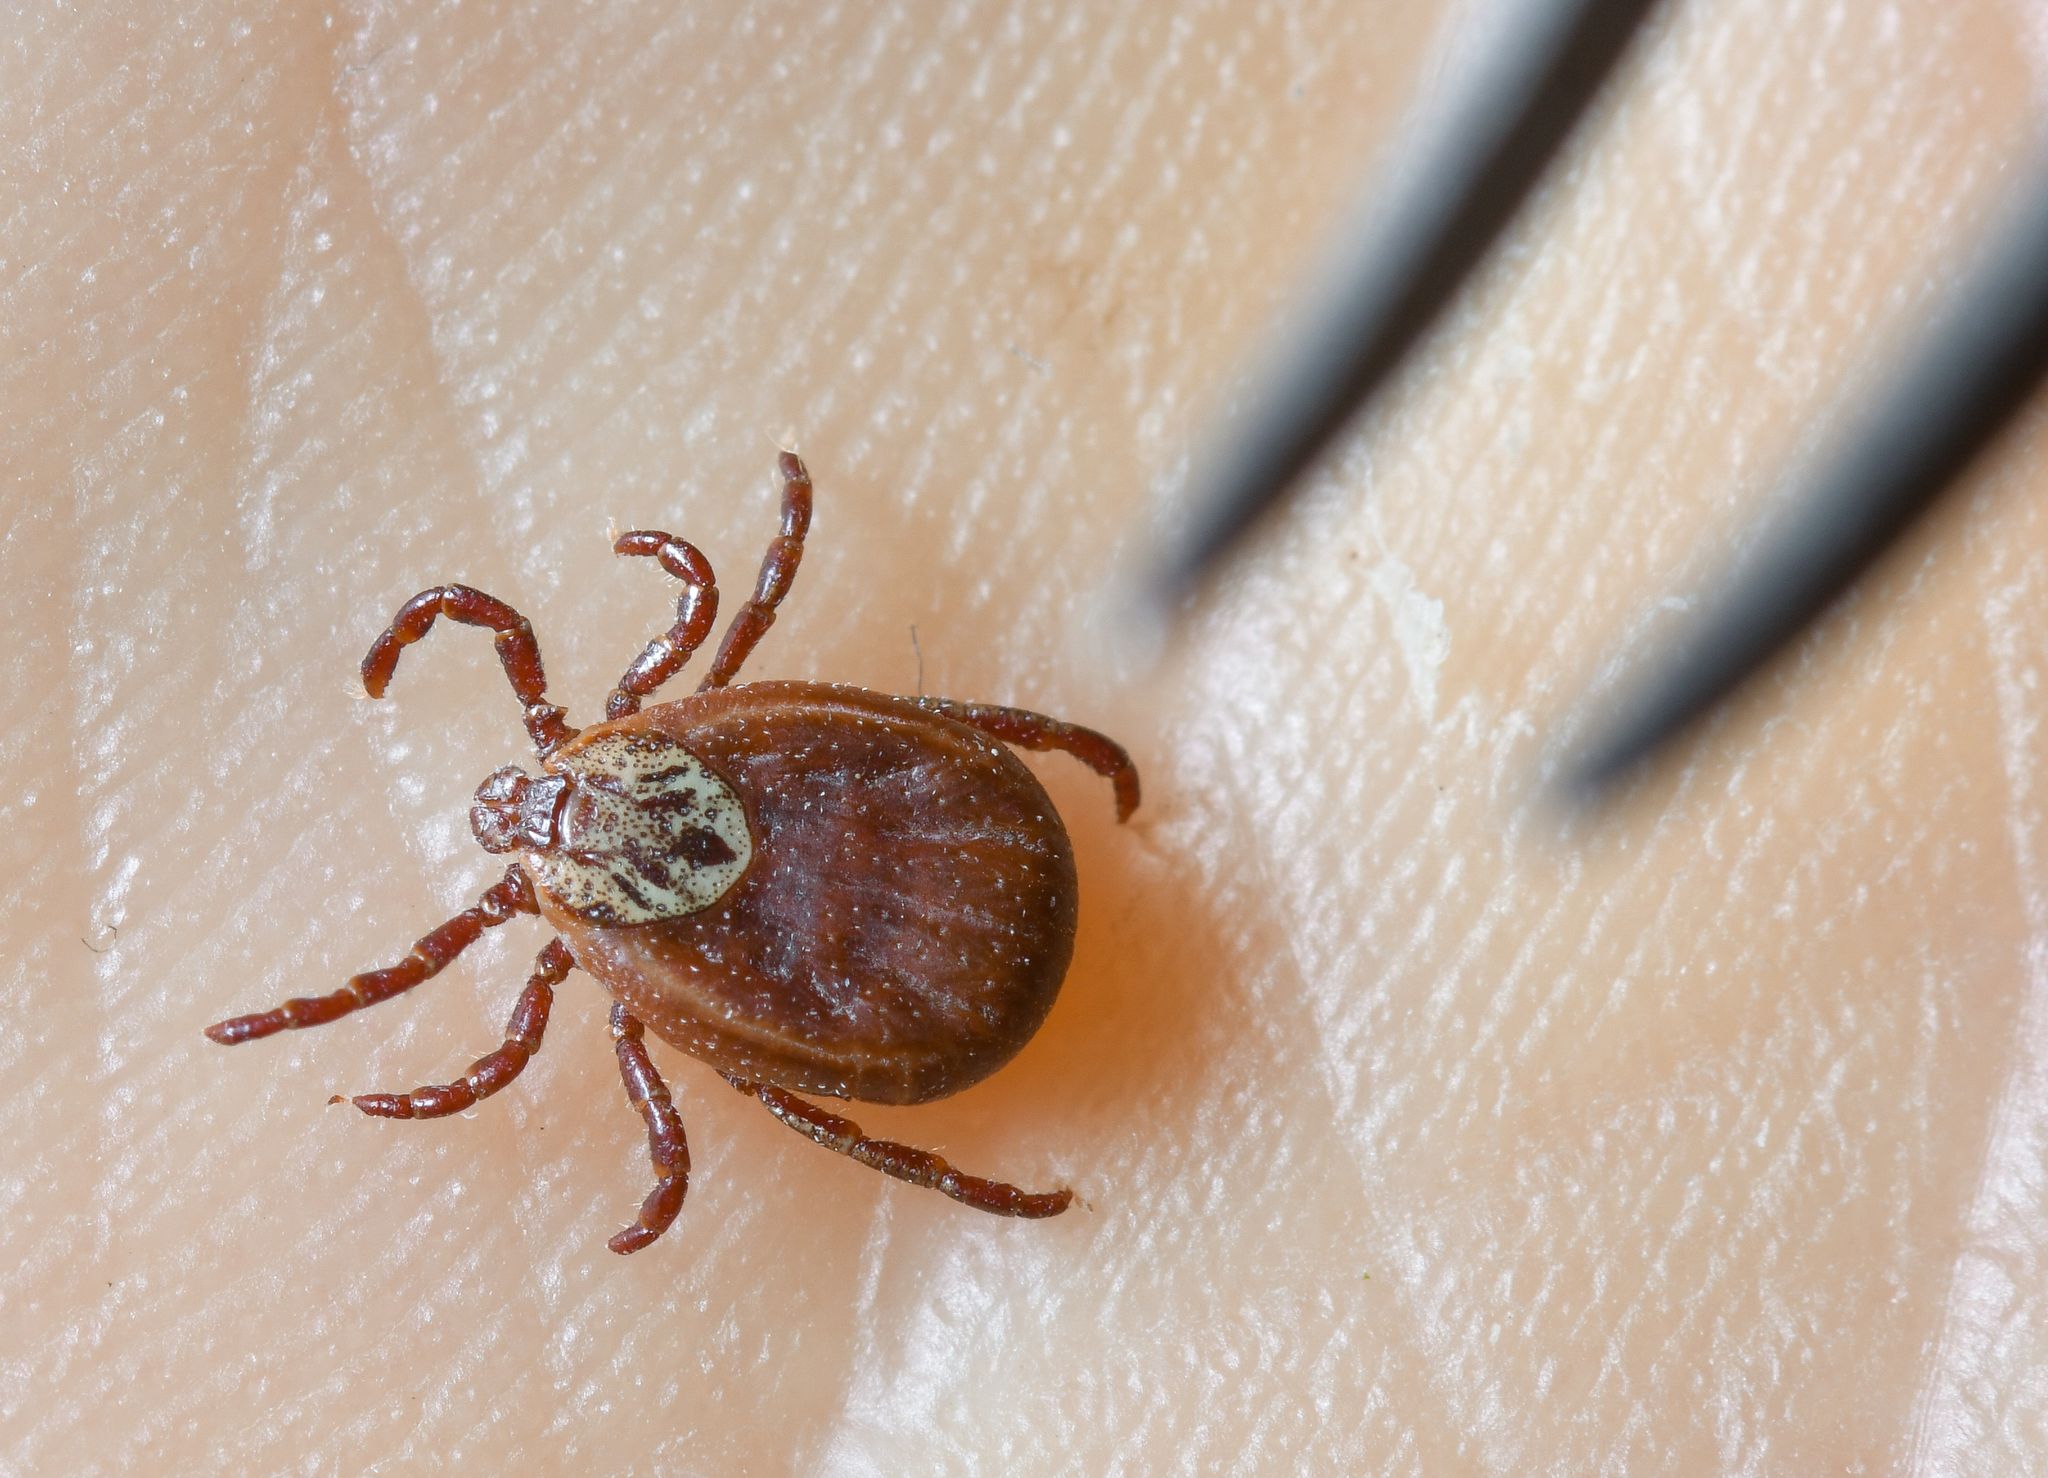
x=1414 y=1135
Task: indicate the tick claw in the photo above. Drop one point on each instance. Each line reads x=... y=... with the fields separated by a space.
x=396 y=1105
x=631 y=1240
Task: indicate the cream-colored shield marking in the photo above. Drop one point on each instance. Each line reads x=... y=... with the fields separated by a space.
x=648 y=832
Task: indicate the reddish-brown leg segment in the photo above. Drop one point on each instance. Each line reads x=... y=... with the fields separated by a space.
x=919 y=1167
x=696 y=609
x=503 y=900
x=1028 y=730
x=518 y=653
x=666 y=1145
x=493 y=1070
x=778 y=569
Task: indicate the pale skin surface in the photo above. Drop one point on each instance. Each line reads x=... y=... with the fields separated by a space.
x=1412 y=1137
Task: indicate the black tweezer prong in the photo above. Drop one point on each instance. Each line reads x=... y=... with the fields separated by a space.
x=1953 y=390
x=1457 y=185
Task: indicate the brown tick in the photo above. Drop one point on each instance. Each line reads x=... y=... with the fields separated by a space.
x=814 y=888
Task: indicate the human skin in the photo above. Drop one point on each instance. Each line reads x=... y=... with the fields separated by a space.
x=1415 y=1131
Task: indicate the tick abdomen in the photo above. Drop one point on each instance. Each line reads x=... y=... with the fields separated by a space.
x=903 y=923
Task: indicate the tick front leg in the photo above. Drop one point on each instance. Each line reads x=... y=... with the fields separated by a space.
x=518 y=654
x=696 y=609
x=493 y=1070
x=778 y=570
x=666 y=1144
x=1028 y=730
x=919 y=1167
x=504 y=900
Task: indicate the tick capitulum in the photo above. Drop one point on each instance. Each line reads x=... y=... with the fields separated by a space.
x=814 y=888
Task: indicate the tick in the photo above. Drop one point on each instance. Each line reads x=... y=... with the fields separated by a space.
x=814 y=888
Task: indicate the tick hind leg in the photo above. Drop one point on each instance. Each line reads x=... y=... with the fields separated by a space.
x=778 y=570
x=919 y=1167
x=518 y=653
x=666 y=1144
x=504 y=900
x=494 y=1069
x=1028 y=730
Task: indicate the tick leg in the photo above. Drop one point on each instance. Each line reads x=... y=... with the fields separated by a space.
x=503 y=900
x=665 y=1142
x=696 y=608
x=518 y=652
x=778 y=569
x=1028 y=730
x=919 y=1167
x=493 y=1070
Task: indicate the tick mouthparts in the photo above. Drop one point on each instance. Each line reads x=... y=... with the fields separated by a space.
x=515 y=811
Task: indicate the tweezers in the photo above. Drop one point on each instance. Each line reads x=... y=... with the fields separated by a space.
x=1469 y=171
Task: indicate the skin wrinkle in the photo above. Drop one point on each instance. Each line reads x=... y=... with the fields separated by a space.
x=1668 y=894
x=752 y=292
x=441 y=401
x=552 y=328
x=825 y=1455
x=1283 y=990
x=446 y=379
x=1703 y=1094
x=1943 y=1415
